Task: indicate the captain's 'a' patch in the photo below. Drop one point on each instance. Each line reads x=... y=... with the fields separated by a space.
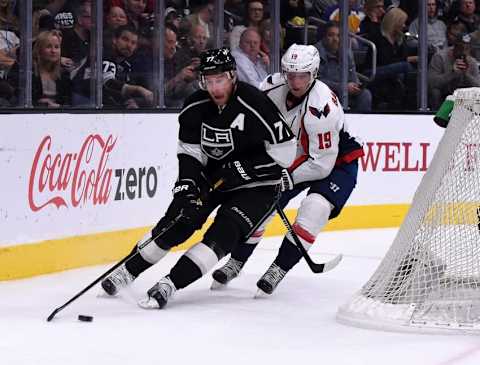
x=216 y=143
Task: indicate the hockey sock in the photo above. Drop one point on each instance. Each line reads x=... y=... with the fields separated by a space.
x=288 y=255
x=243 y=251
x=137 y=264
x=184 y=272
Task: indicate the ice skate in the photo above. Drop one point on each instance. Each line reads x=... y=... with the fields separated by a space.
x=118 y=279
x=158 y=295
x=228 y=272
x=269 y=281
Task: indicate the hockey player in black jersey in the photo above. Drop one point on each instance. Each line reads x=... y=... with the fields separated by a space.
x=230 y=134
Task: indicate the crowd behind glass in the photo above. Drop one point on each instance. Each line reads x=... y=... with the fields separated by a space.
x=62 y=43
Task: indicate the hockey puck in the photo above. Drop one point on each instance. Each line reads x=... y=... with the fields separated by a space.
x=85 y=318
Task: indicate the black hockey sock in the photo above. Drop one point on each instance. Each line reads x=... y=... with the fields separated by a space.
x=137 y=264
x=288 y=255
x=243 y=252
x=184 y=272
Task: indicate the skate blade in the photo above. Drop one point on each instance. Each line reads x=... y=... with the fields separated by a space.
x=104 y=295
x=217 y=286
x=260 y=294
x=148 y=303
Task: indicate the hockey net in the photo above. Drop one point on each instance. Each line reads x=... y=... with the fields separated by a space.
x=429 y=280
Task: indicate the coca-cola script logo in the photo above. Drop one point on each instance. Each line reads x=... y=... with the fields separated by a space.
x=71 y=179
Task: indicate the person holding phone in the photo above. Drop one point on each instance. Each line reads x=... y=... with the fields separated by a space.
x=451 y=69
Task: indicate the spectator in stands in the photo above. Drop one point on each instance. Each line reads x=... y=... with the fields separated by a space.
x=51 y=87
x=197 y=43
x=266 y=34
x=76 y=41
x=318 y=7
x=467 y=16
x=475 y=45
x=8 y=19
x=115 y=18
x=251 y=62
x=255 y=13
x=393 y=62
x=9 y=47
x=359 y=98
x=235 y=9
x=202 y=14
x=179 y=84
x=173 y=17
x=122 y=81
x=450 y=69
x=57 y=14
x=332 y=14
x=374 y=12
x=453 y=30
x=292 y=11
x=292 y=19
x=436 y=29
x=142 y=19
x=107 y=4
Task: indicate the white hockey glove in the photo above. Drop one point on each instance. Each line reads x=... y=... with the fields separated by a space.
x=286 y=182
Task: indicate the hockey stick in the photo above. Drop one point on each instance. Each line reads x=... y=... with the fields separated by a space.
x=315 y=267
x=478 y=216
x=121 y=262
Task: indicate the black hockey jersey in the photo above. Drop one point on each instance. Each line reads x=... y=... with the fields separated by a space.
x=249 y=128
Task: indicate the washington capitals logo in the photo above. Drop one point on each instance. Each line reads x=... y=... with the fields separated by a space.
x=318 y=113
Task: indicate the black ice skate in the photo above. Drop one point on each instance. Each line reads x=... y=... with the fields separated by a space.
x=158 y=295
x=226 y=273
x=118 y=279
x=269 y=281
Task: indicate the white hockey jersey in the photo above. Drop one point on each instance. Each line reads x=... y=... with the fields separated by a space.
x=318 y=122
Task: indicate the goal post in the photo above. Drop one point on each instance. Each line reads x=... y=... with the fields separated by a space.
x=429 y=280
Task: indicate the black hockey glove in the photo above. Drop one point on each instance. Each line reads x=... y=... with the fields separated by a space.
x=235 y=174
x=187 y=202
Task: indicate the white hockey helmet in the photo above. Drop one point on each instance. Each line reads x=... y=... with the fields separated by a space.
x=301 y=58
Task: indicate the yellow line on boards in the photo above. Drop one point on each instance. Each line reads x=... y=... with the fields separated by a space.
x=27 y=260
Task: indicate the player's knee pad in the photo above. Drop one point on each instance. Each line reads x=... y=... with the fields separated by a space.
x=150 y=251
x=222 y=236
x=312 y=216
x=203 y=256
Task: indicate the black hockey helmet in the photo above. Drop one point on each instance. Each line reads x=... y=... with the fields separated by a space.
x=215 y=61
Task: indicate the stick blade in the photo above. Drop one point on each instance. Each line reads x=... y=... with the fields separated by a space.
x=50 y=317
x=326 y=266
x=333 y=263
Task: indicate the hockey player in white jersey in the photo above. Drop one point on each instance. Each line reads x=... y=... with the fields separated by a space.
x=326 y=162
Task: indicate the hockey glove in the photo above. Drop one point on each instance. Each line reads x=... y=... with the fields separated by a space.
x=187 y=202
x=238 y=173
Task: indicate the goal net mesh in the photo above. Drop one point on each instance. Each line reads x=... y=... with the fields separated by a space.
x=429 y=279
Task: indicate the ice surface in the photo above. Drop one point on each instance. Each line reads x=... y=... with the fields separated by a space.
x=296 y=325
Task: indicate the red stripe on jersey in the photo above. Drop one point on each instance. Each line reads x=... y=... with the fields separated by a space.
x=304 y=137
x=298 y=161
x=257 y=234
x=304 y=234
x=349 y=157
x=304 y=143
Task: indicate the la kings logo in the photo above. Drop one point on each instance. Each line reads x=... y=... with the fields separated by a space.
x=216 y=143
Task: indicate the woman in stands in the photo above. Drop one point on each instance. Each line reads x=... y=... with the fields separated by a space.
x=51 y=86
